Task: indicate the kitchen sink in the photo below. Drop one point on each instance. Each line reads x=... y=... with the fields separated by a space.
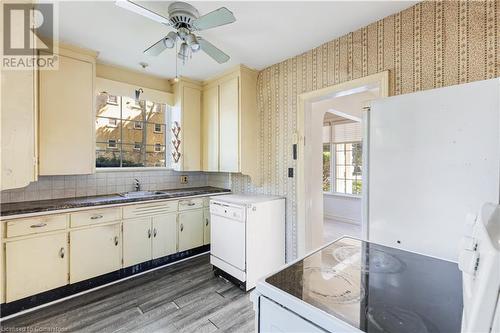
x=138 y=194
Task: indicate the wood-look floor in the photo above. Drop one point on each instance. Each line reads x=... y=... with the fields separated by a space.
x=184 y=297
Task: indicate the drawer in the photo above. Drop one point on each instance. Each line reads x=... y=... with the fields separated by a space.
x=96 y=216
x=150 y=209
x=190 y=204
x=35 y=225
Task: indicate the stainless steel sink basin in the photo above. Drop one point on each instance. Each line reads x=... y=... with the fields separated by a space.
x=138 y=194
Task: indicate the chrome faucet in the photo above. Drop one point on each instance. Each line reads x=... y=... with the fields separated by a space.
x=137 y=185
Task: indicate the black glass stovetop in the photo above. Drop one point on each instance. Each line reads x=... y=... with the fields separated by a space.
x=377 y=288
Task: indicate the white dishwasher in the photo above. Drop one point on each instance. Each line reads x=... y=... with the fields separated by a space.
x=247 y=236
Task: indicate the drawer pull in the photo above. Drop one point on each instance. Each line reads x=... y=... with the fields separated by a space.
x=182 y=227
x=96 y=217
x=154 y=232
x=206 y=221
x=149 y=233
x=191 y=204
x=61 y=252
x=116 y=240
x=38 y=225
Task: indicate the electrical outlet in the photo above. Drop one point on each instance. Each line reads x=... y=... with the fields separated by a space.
x=184 y=179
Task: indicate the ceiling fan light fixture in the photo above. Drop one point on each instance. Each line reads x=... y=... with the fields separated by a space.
x=183 y=52
x=192 y=41
x=170 y=40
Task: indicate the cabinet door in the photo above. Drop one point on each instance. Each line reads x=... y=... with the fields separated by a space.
x=35 y=265
x=18 y=128
x=191 y=129
x=164 y=235
x=137 y=235
x=210 y=129
x=190 y=229
x=67 y=118
x=206 y=226
x=229 y=126
x=94 y=251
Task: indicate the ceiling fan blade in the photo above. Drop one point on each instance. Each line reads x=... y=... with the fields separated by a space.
x=135 y=7
x=213 y=51
x=218 y=17
x=156 y=48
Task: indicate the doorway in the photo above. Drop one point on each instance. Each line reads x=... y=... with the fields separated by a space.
x=342 y=104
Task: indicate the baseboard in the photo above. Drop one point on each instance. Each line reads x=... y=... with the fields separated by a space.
x=342 y=219
x=41 y=300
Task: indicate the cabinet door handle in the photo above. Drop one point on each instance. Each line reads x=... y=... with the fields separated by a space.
x=182 y=227
x=116 y=240
x=96 y=217
x=38 y=225
x=149 y=233
x=206 y=221
x=154 y=232
x=61 y=252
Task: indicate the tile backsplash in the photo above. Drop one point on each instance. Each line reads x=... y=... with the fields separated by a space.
x=109 y=182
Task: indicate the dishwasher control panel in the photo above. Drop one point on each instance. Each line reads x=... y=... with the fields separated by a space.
x=228 y=211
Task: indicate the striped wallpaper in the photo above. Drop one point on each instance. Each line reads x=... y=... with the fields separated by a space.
x=429 y=45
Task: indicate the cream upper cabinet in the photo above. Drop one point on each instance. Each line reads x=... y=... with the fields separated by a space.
x=67 y=115
x=229 y=126
x=35 y=265
x=95 y=251
x=164 y=235
x=186 y=115
x=18 y=126
x=137 y=236
x=210 y=129
x=190 y=229
x=237 y=126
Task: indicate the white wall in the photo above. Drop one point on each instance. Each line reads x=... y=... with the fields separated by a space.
x=342 y=208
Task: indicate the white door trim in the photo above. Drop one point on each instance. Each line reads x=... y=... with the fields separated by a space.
x=305 y=236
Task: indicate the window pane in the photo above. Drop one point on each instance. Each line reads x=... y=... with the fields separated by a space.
x=131 y=133
x=132 y=110
x=348 y=186
x=153 y=136
x=348 y=157
x=340 y=185
x=155 y=158
x=132 y=157
x=105 y=157
x=356 y=187
x=340 y=171
x=326 y=168
x=340 y=157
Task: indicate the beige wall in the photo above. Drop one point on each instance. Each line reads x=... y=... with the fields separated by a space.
x=429 y=45
x=137 y=78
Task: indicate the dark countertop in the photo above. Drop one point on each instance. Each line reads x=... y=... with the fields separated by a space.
x=26 y=207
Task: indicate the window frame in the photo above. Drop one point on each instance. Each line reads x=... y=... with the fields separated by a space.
x=159 y=131
x=333 y=165
x=143 y=125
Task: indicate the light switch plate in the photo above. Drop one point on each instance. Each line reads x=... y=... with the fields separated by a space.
x=184 y=179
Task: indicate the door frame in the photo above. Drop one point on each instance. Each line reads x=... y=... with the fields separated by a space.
x=307 y=240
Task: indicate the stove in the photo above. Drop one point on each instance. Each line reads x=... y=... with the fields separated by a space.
x=374 y=288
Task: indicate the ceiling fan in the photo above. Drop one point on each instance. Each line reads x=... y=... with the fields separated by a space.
x=185 y=19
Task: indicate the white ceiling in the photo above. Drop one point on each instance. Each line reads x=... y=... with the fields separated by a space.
x=265 y=33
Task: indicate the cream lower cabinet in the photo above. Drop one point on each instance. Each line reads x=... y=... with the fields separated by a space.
x=35 y=265
x=95 y=251
x=206 y=226
x=149 y=238
x=190 y=229
x=164 y=235
x=136 y=241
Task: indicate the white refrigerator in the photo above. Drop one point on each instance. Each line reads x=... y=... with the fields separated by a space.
x=432 y=160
